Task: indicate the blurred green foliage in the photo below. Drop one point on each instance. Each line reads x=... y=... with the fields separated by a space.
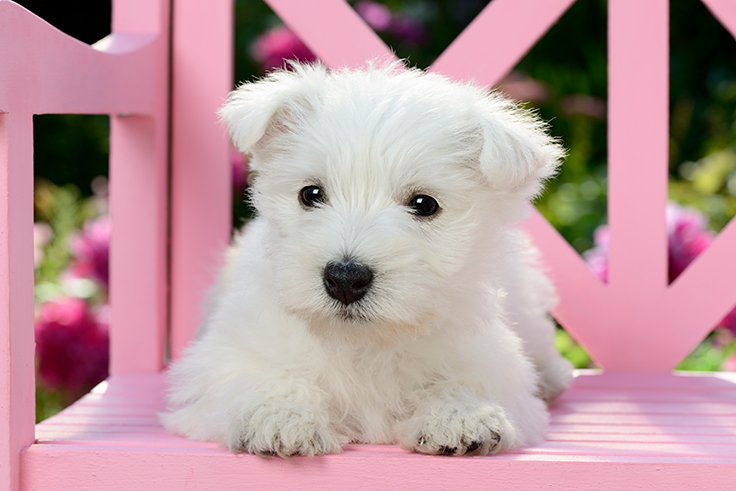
x=71 y=149
x=714 y=353
x=571 y=350
x=64 y=209
x=60 y=213
x=50 y=402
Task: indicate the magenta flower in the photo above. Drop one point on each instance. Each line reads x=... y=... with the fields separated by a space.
x=597 y=257
x=522 y=87
x=376 y=15
x=42 y=235
x=91 y=250
x=276 y=45
x=729 y=322
x=381 y=19
x=239 y=164
x=729 y=364
x=409 y=30
x=687 y=236
x=71 y=345
x=598 y=263
x=584 y=105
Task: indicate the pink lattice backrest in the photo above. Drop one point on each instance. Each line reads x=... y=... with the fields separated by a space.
x=635 y=322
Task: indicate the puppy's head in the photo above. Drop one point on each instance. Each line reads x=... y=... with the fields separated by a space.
x=385 y=190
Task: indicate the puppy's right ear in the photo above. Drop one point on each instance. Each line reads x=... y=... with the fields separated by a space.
x=518 y=153
x=260 y=109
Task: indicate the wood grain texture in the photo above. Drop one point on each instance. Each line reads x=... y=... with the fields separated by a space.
x=202 y=45
x=16 y=292
x=501 y=35
x=607 y=432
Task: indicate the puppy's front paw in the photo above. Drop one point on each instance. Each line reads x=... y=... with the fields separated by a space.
x=285 y=432
x=460 y=431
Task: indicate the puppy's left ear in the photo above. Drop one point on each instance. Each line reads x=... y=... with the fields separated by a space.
x=518 y=153
x=257 y=111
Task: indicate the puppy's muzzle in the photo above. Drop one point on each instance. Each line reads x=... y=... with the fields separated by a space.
x=347 y=282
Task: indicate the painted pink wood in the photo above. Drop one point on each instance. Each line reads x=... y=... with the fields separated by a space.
x=367 y=471
x=46 y=71
x=200 y=228
x=706 y=291
x=637 y=304
x=725 y=12
x=582 y=294
x=16 y=293
x=333 y=31
x=138 y=281
x=489 y=48
x=607 y=432
x=139 y=201
x=139 y=16
x=638 y=135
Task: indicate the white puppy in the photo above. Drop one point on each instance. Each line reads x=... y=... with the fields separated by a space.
x=384 y=293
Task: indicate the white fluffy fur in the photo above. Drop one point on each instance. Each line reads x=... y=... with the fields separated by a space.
x=451 y=351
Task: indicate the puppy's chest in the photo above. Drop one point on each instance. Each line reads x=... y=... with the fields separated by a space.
x=383 y=386
x=365 y=404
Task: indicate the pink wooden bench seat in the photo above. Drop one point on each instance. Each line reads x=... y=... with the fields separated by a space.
x=615 y=430
x=636 y=426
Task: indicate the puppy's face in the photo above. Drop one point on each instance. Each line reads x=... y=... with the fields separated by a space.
x=365 y=232
x=375 y=190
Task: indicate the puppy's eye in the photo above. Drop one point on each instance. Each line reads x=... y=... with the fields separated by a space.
x=311 y=196
x=423 y=205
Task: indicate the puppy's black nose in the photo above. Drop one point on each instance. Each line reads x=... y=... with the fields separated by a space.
x=347 y=282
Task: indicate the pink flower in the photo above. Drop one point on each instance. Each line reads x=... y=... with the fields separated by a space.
x=519 y=86
x=687 y=236
x=42 y=235
x=408 y=30
x=729 y=364
x=597 y=257
x=376 y=15
x=91 y=251
x=598 y=263
x=71 y=345
x=239 y=164
x=381 y=19
x=584 y=105
x=276 y=45
x=729 y=322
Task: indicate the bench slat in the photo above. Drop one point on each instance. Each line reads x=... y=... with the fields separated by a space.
x=601 y=433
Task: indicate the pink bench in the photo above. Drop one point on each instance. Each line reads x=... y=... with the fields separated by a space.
x=636 y=425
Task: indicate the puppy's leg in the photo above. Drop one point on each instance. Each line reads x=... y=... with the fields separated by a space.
x=538 y=331
x=555 y=373
x=248 y=406
x=530 y=297
x=286 y=420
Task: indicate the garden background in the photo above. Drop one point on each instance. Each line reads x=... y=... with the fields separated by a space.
x=563 y=77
